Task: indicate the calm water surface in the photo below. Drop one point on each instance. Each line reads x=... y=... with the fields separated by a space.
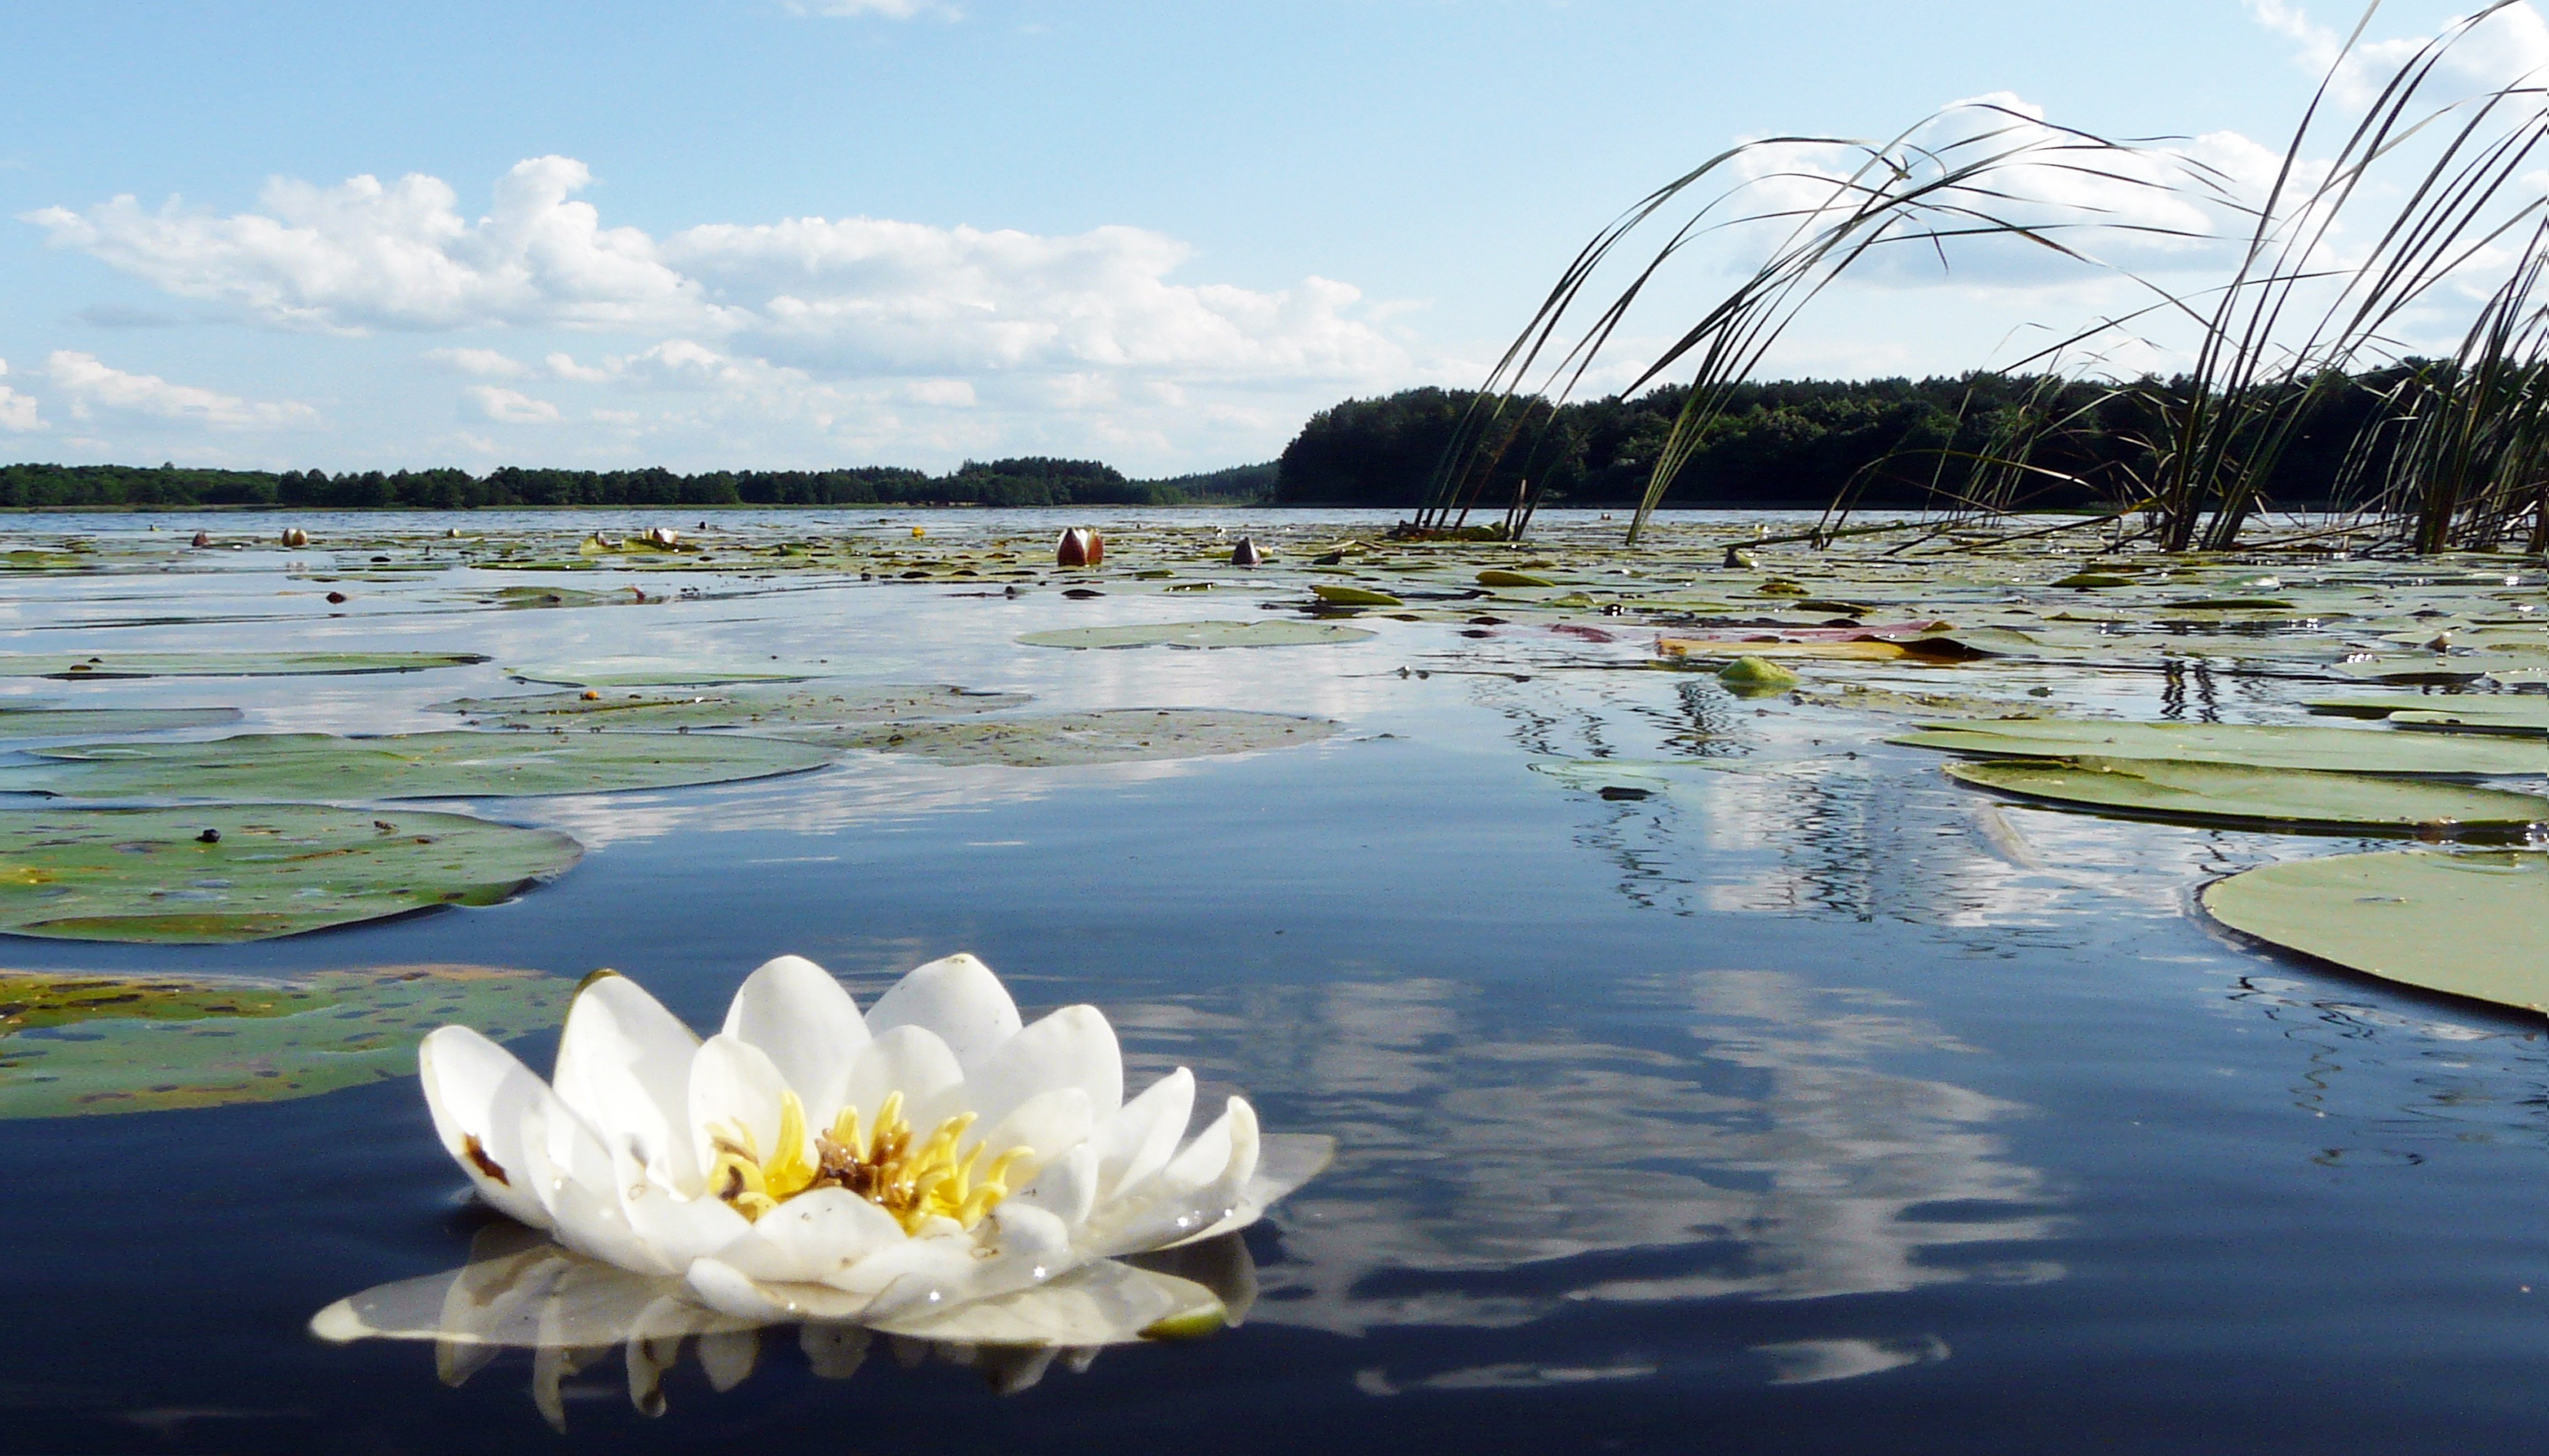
x=1815 y=1105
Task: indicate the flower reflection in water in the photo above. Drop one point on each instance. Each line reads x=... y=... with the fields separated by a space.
x=521 y=1291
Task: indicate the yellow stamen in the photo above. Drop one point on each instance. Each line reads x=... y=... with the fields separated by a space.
x=914 y=1183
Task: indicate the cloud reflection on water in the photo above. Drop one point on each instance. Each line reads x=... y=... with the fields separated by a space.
x=1499 y=1164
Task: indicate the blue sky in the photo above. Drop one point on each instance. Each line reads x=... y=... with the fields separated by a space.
x=757 y=234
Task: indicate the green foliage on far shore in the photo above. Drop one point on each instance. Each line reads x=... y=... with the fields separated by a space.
x=1888 y=443
x=1025 y=481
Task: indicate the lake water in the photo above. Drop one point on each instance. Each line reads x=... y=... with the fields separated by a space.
x=1819 y=1105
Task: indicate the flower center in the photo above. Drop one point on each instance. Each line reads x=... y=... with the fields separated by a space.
x=914 y=1181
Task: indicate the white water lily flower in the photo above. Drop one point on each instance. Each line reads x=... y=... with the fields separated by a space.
x=928 y=1167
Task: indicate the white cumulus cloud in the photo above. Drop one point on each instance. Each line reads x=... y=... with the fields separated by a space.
x=484 y=363
x=93 y=387
x=364 y=255
x=511 y=407
x=17 y=411
x=847 y=298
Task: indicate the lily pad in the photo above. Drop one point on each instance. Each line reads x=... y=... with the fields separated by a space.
x=658 y=672
x=1268 y=634
x=1114 y=736
x=2262 y=746
x=2298 y=799
x=67 y=722
x=2466 y=924
x=2436 y=669
x=252 y=872
x=78 y=665
x=1355 y=596
x=405 y=766
x=774 y=711
x=2493 y=713
x=74 y=1046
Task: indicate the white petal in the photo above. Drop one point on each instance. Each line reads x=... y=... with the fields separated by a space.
x=624 y=1065
x=793 y=1009
x=957 y=998
x=738 y=1296
x=1072 y=1047
x=1137 y=1141
x=1095 y=1305
x=1028 y=1246
x=906 y=1059
x=478 y=1095
x=678 y=1229
x=1048 y=1125
x=948 y=1255
x=735 y=1088
x=812 y=1237
x=1201 y=1191
x=1066 y=1189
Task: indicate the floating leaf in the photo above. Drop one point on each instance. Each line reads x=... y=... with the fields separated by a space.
x=659 y=672
x=76 y=665
x=1353 y=596
x=67 y=722
x=2466 y=924
x=2263 y=745
x=1115 y=736
x=1268 y=634
x=1493 y=577
x=2439 y=668
x=252 y=872
x=405 y=766
x=2236 y=793
x=774 y=711
x=73 y=1045
x=1863 y=649
x=2470 y=712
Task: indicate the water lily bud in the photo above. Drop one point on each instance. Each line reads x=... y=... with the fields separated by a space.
x=665 y=536
x=335 y=598
x=453 y=533
x=1078 y=547
x=1246 y=552
x=202 y=538
x=1755 y=675
x=295 y=536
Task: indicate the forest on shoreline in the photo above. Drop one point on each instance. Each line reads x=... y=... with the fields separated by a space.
x=1885 y=442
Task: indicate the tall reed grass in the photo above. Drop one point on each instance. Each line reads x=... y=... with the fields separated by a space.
x=2360 y=239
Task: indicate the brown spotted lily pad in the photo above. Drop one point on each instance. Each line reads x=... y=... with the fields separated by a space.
x=74 y=1045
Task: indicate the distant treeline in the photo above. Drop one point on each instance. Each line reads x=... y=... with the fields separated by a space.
x=1026 y=481
x=1893 y=442
x=1890 y=442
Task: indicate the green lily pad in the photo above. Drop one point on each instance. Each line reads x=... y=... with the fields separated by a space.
x=2262 y=746
x=76 y=1046
x=1115 y=736
x=151 y=876
x=657 y=672
x=1268 y=634
x=1494 y=578
x=776 y=712
x=2296 y=798
x=78 y=665
x=2432 y=668
x=2496 y=712
x=1355 y=596
x=405 y=766
x=65 y=722
x=2467 y=924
